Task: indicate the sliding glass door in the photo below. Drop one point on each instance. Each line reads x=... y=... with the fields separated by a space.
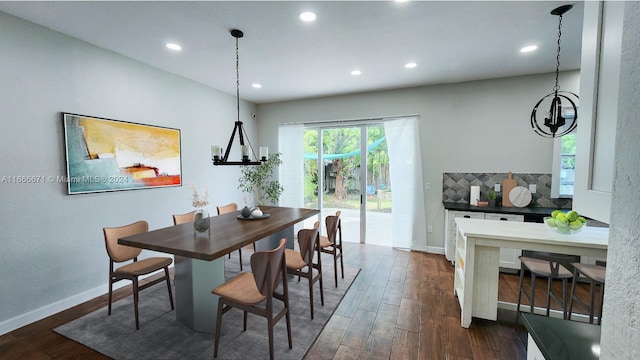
x=346 y=169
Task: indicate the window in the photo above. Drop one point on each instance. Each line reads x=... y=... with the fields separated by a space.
x=564 y=165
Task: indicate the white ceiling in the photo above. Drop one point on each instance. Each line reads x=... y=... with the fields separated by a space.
x=451 y=41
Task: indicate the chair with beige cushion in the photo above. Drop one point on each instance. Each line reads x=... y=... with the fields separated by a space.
x=551 y=268
x=225 y=209
x=332 y=243
x=132 y=271
x=183 y=218
x=596 y=276
x=301 y=263
x=247 y=291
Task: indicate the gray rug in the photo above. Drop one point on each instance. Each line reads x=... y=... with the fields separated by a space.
x=162 y=337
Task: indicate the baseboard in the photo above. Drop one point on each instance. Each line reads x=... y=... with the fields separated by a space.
x=64 y=304
x=435 y=250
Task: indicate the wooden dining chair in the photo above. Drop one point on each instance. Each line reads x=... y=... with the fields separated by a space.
x=301 y=263
x=132 y=271
x=183 y=218
x=246 y=291
x=332 y=243
x=225 y=209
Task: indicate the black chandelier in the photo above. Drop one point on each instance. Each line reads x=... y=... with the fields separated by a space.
x=247 y=150
x=555 y=120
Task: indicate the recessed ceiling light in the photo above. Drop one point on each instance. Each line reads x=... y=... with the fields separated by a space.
x=529 y=48
x=173 y=46
x=256 y=85
x=307 y=16
x=410 y=65
x=356 y=72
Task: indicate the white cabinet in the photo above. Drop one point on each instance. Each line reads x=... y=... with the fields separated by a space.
x=450 y=229
x=509 y=258
x=599 y=83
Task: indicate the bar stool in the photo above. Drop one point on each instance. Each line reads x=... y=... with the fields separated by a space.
x=596 y=276
x=549 y=267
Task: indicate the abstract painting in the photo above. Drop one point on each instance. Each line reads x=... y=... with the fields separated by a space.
x=111 y=155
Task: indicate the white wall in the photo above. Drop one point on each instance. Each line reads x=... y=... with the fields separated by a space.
x=480 y=126
x=52 y=251
x=621 y=319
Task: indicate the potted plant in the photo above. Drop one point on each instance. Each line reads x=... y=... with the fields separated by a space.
x=258 y=180
x=491 y=196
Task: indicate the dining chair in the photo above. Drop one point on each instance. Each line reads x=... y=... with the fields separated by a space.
x=551 y=268
x=332 y=243
x=225 y=209
x=183 y=218
x=246 y=291
x=132 y=271
x=596 y=276
x=301 y=263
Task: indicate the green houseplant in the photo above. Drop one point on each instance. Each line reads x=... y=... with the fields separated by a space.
x=258 y=180
x=491 y=196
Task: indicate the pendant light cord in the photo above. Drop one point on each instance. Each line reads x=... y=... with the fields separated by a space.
x=557 y=87
x=238 y=78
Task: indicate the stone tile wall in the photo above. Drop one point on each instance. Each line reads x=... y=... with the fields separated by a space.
x=456 y=187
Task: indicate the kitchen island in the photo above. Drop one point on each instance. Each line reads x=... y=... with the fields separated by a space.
x=478 y=244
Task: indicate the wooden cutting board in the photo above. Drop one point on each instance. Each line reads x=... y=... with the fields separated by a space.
x=507 y=185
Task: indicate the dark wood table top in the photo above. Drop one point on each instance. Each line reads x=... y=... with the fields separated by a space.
x=228 y=233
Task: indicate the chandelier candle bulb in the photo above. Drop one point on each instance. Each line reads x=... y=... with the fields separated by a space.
x=264 y=153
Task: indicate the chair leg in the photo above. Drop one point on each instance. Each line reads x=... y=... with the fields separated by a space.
x=110 y=292
x=564 y=298
x=533 y=291
x=573 y=293
x=166 y=275
x=519 y=295
x=288 y=320
x=311 y=292
x=549 y=282
x=341 y=262
x=218 y=326
x=270 y=330
x=592 y=293
x=335 y=266
x=240 y=256
x=601 y=302
x=244 y=322
x=135 y=301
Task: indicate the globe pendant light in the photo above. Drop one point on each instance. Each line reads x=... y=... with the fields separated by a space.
x=247 y=150
x=555 y=120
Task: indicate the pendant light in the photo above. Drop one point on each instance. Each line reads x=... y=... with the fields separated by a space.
x=247 y=150
x=555 y=120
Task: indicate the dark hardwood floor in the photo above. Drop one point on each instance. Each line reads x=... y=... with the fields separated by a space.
x=401 y=306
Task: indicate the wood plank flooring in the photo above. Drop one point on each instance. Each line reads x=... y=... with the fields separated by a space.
x=401 y=306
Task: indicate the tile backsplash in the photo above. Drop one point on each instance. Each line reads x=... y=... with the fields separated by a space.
x=456 y=187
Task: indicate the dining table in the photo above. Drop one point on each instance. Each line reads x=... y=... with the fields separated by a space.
x=199 y=257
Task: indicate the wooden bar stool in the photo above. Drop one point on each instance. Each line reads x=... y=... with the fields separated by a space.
x=551 y=268
x=596 y=276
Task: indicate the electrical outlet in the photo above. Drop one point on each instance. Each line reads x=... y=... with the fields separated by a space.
x=532 y=188
x=429 y=229
x=496 y=187
x=427 y=186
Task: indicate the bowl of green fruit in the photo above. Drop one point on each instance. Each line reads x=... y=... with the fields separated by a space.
x=565 y=222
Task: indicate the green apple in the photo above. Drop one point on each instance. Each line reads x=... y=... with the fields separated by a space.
x=562 y=223
x=582 y=219
x=551 y=222
x=572 y=215
x=555 y=213
x=576 y=225
x=562 y=217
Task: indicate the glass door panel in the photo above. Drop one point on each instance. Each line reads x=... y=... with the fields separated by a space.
x=341 y=179
x=378 y=188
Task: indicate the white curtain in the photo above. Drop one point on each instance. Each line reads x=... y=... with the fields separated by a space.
x=290 y=144
x=405 y=168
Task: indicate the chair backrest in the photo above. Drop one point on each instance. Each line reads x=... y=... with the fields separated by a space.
x=308 y=239
x=183 y=218
x=120 y=253
x=333 y=222
x=555 y=261
x=227 y=208
x=266 y=267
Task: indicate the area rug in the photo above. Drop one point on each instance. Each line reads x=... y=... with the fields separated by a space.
x=162 y=337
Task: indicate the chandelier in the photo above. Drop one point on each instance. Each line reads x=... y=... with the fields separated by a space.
x=247 y=150
x=555 y=120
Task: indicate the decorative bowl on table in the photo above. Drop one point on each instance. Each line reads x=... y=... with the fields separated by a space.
x=562 y=224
